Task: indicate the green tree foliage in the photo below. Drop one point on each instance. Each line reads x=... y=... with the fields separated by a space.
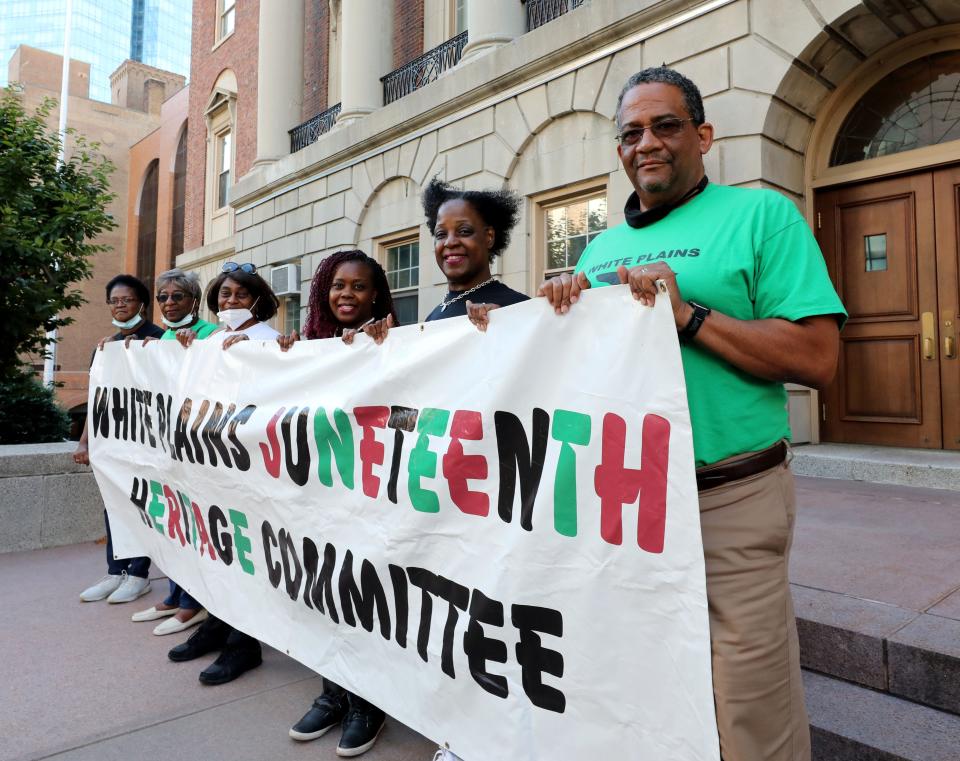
x=49 y=216
x=29 y=413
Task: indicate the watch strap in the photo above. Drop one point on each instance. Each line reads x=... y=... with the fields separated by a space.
x=700 y=313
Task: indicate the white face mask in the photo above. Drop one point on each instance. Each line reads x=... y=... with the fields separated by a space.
x=179 y=323
x=234 y=318
x=135 y=320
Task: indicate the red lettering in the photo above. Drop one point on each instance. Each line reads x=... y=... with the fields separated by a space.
x=174 y=527
x=271 y=454
x=201 y=530
x=371 y=450
x=617 y=485
x=459 y=467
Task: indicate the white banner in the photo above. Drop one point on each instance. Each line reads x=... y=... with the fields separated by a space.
x=494 y=536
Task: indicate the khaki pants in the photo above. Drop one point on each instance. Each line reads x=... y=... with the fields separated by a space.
x=747 y=528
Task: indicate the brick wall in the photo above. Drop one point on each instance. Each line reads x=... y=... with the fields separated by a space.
x=407 y=31
x=239 y=54
x=316 y=44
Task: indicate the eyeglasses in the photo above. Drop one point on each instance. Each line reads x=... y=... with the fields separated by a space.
x=247 y=267
x=176 y=297
x=119 y=302
x=663 y=129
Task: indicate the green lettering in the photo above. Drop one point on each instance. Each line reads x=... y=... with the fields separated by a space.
x=568 y=428
x=339 y=442
x=423 y=462
x=240 y=541
x=157 y=506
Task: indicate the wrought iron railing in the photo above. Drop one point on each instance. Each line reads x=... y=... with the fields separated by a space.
x=539 y=12
x=423 y=70
x=308 y=132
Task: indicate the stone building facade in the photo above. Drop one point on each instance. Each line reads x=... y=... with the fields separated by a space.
x=525 y=100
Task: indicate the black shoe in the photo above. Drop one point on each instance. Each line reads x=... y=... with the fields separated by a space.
x=210 y=635
x=360 y=730
x=326 y=712
x=230 y=664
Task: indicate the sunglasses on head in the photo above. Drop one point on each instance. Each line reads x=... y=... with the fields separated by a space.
x=176 y=297
x=247 y=267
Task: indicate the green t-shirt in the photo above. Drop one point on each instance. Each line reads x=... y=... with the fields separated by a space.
x=748 y=254
x=201 y=327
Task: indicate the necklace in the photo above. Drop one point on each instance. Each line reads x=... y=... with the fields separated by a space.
x=455 y=299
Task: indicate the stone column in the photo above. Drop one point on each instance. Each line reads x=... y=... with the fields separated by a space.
x=492 y=23
x=279 y=77
x=366 y=45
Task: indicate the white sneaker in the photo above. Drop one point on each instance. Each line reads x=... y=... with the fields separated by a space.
x=103 y=588
x=130 y=589
x=443 y=754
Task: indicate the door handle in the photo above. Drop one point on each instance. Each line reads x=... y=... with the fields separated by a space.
x=927 y=332
x=949 y=334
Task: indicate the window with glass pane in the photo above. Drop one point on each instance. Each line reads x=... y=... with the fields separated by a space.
x=875 y=247
x=291 y=314
x=570 y=228
x=227 y=17
x=224 y=143
x=403 y=277
x=916 y=106
x=460 y=15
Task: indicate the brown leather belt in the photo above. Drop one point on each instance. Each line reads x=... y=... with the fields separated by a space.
x=712 y=476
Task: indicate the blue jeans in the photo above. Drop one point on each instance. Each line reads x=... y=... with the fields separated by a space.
x=179 y=598
x=132 y=566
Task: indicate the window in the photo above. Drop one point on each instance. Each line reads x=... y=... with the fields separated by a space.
x=459 y=16
x=291 y=314
x=147 y=226
x=227 y=13
x=402 y=264
x=224 y=161
x=179 y=199
x=913 y=107
x=569 y=226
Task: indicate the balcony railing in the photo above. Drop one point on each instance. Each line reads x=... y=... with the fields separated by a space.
x=423 y=70
x=308 y=132
x=539 y=12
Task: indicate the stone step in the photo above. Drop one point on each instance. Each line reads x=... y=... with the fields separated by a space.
x=915 y=656
x=929 y=468
x=853 y=723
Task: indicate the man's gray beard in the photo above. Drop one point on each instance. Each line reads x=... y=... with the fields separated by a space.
x=657 y=187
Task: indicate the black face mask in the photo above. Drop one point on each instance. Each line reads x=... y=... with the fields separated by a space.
x=636 y=217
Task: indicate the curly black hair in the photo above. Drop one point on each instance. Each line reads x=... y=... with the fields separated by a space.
x=137 y=285
x=267 y=303
x=500 y=209
x=321 y=322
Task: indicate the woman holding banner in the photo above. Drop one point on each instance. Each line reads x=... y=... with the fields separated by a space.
x=349 y=294
x=179 y=296
x=244 y=301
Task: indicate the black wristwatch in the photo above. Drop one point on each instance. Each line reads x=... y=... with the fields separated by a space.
x=700 y=313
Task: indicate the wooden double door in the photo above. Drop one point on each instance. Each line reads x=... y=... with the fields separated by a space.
x=891 y=248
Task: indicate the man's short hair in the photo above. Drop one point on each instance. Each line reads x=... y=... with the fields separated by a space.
x=667 y=76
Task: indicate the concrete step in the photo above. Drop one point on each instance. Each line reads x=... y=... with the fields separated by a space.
x=911 y=655
x=930 y=468
x=852 y=723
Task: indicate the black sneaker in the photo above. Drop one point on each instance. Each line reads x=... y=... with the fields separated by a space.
x=361 y=728
x=230 y=664
x=326 y=712
x=210 y=635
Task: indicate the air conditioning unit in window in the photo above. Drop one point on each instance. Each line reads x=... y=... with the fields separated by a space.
x=285 y=279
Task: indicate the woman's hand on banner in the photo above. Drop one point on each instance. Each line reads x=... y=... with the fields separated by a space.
x=377 y=330
x=103 y=342
x=563 y=290
x=186 y=336
x=477 y=314
x=235 y=338
x=286 y=342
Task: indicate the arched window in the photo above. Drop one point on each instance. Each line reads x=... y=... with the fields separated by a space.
x=179 y=199
x=916 y=106
x=147 y=227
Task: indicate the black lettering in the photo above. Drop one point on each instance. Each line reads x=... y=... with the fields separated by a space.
x=694 y=252
x=288 y=554
x=120 y=413
x=212 y=434
x=517 y=455
x=401 y=419
x=241 y=458
x=273 y=567
x=195 y=431
x=426 y=581
x=147 y=420
x=101 y=418
x=222 y=540
x=536 y=660
x=479 y=648
x=139 y=493
x=181 y=443
x=401 y=604
x=319 y=586
x=298 y=471
x=364 y=597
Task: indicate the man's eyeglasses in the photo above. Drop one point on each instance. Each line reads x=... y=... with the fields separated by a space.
x=119 y=302
x=663 y=129
x=176 y=297
x=247 y=267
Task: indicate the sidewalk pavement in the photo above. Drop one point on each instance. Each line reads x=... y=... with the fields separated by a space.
x=79 y=681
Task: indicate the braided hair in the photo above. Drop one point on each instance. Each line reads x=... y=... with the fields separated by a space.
x=321 y=322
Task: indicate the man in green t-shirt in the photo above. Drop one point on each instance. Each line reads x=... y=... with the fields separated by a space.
x=754 y=308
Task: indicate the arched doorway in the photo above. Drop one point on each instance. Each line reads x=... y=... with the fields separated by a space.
x=147 y=228
x=887 y=216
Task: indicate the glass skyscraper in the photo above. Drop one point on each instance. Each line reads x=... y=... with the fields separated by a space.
x=104 y=33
